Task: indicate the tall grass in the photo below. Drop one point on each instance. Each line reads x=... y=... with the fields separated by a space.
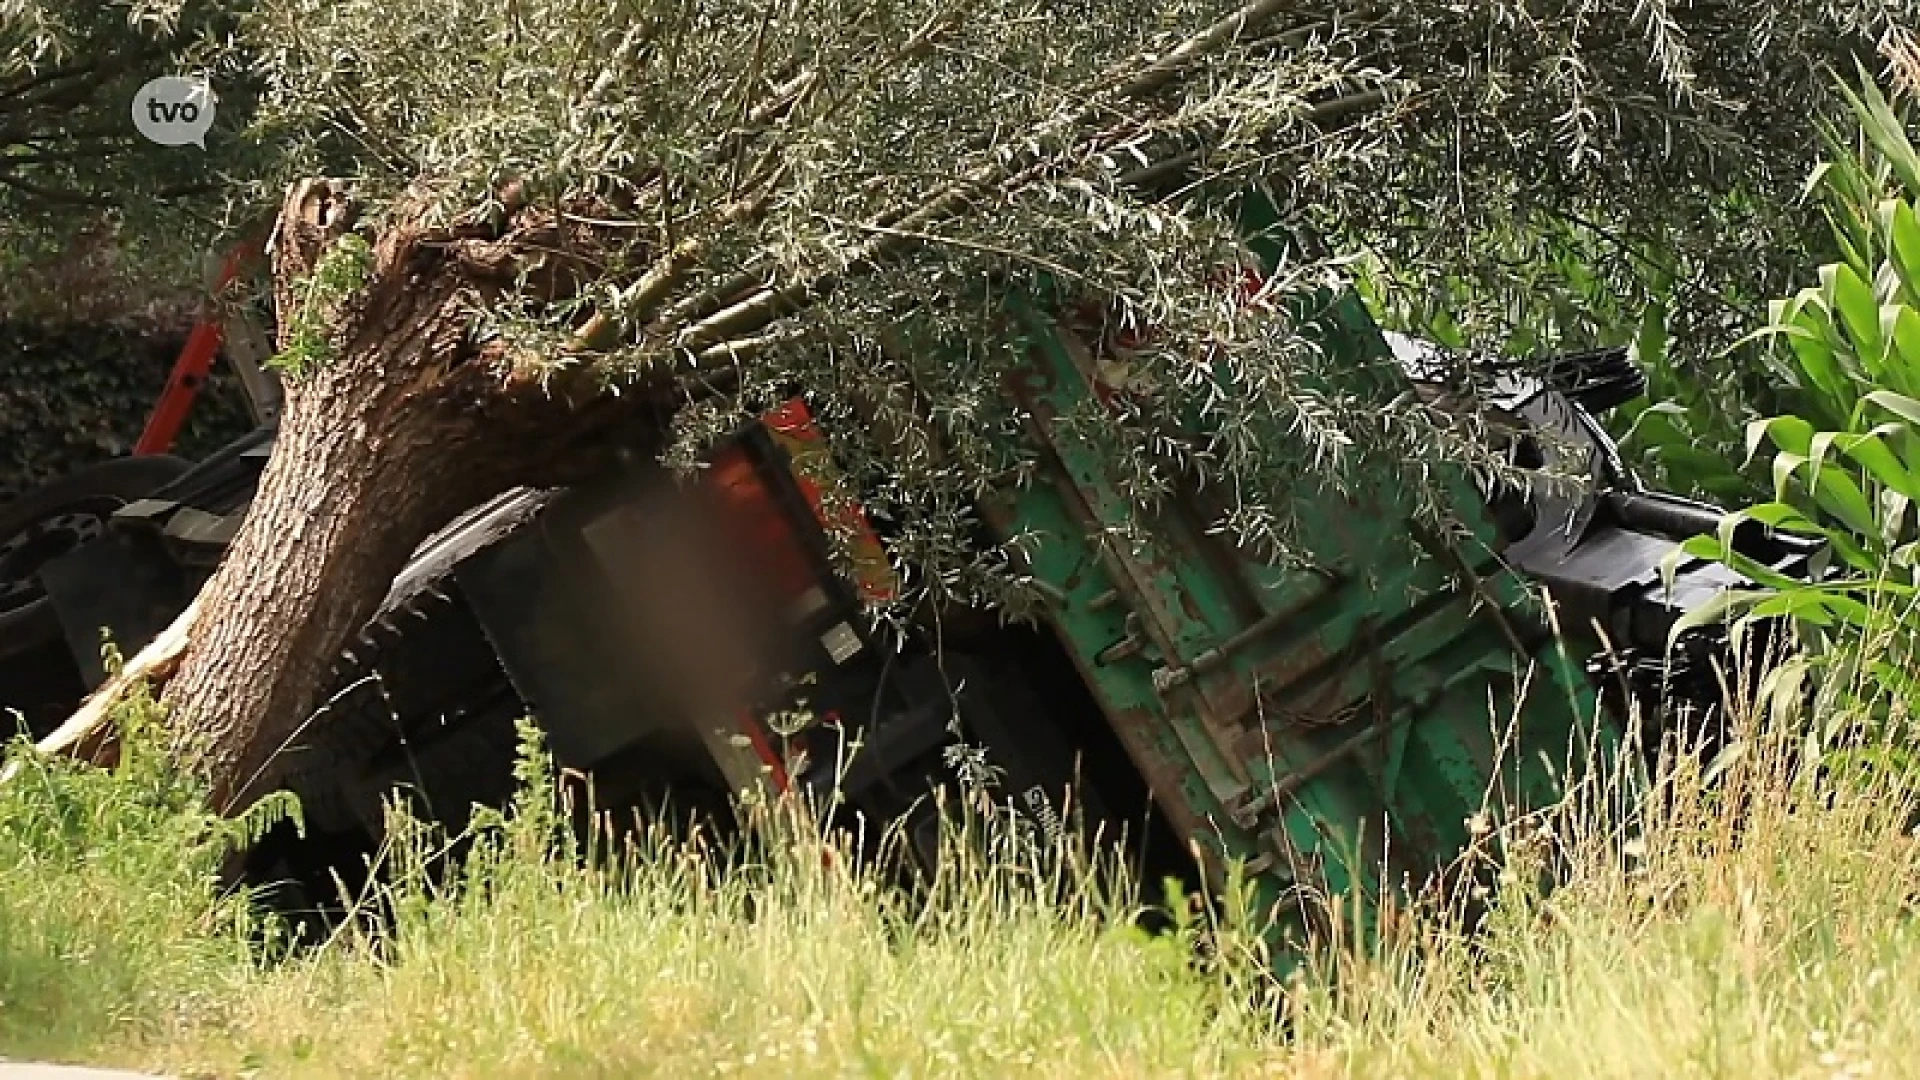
x=110 y=914
x=1755 y=923
x=1758 y=925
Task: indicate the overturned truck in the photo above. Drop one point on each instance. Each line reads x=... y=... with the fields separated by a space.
x=1336 y=727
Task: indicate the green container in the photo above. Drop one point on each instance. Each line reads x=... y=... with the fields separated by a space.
x=1334 y=729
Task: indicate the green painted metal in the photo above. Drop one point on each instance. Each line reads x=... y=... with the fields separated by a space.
x=1329 y=729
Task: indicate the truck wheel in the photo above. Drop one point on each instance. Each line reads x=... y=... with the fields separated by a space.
x=47 y=522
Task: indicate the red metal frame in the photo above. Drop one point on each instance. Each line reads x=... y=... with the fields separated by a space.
x=758 y=735
x=793 y=426
x=736 y=477
x=195 y=362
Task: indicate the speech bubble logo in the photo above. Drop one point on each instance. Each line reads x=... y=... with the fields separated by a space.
x=174 y=110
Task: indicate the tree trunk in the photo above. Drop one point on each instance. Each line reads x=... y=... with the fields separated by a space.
x=402 y=424
x=362 y=472
x=379 y=446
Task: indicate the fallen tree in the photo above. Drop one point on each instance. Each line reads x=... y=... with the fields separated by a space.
x=552 y=219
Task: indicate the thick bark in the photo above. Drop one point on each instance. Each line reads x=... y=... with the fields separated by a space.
x=405 y=426
x=381 y=445
x=362 y=472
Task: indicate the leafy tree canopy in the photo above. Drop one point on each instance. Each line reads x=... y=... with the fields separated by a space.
x=680 y=181
x=705 y=173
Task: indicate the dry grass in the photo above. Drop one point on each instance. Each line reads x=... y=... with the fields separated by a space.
x=1758 y=926
x=1775 y=939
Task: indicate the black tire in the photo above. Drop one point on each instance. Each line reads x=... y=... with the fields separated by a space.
x=446 y=774
x=50 y=520
x=435 y=667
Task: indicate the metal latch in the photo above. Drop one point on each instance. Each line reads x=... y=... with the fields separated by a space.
x=1130 y=645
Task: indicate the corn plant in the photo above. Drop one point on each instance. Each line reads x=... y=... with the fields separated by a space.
x=1846 y=461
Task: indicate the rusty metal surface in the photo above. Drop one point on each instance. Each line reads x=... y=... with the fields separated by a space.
x=1326 y=727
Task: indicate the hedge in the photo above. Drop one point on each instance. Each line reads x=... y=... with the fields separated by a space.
x=77 y=393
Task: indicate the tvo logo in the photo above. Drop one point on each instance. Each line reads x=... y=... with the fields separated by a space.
x=174 y=110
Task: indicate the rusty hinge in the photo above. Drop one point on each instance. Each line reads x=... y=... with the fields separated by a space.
x=1171 y=677
x=1306 y=864
x=1249 y=810
x=1275 y=845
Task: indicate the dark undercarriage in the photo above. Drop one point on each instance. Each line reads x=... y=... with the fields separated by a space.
x=515 y=610
x=565 y=606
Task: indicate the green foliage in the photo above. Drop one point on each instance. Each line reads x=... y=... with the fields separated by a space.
x=1506 y=227
x=76 y=393
x=109 y=906
x=101 y=221
x=340 y=274
x=840 y=195
x=1560 y=281
x=1767 y=943
x=1845 y=464
x=1684 y=432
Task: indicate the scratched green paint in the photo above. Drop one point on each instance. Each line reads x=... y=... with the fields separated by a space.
x=1065 y=558
x=1429 y=771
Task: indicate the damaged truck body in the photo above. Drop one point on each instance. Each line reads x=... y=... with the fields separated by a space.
x=1335 y=728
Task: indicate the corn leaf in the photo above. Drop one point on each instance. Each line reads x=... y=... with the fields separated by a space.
x=1903 y=247
x=1838 y=495
x=1788 y=434
x=1808 y=328
x=1900 y=326
x=1885 y=131
x=1880 y=462
x=1859 y=311
x=1900 y=405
